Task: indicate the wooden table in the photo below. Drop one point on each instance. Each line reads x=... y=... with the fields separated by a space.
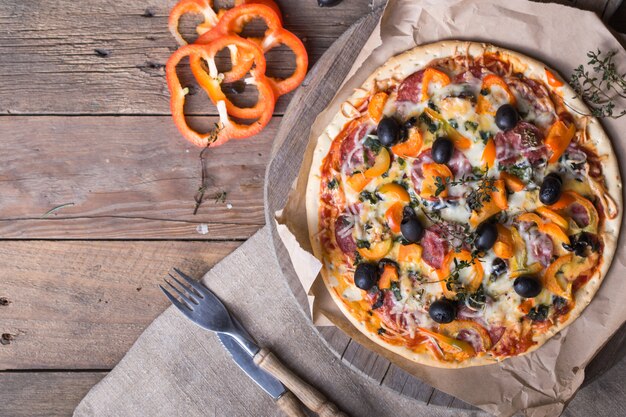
x=85 y=128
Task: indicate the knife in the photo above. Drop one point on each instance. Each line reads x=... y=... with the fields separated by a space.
x=285 y=400
x=204 y=308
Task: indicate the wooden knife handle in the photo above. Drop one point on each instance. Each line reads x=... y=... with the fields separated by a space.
x=309 y=396
x=290 y=405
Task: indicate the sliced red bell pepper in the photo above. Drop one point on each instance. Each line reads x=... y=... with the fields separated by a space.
x=205 y=8
x=227 y=128
x=233 y=21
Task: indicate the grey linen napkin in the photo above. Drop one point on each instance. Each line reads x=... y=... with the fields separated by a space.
x=176 y=368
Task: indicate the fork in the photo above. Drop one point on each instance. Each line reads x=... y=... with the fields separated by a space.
x=199 y=304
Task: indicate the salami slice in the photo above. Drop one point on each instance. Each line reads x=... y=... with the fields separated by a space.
x=434 y=248
x=410 y=88
x=524 y=140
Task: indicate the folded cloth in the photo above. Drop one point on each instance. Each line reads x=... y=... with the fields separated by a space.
x=176 y=368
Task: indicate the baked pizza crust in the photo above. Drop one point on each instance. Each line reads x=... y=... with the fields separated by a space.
x=405 y=64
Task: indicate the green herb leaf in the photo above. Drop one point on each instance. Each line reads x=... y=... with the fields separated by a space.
x=602 y=87
x=372 y=142
x=369 y=196
x=332 y=184
x=362 y=244
x=470 y=126
x=395 y=288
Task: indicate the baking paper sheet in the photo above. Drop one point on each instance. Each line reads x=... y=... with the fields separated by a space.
x=541 y=383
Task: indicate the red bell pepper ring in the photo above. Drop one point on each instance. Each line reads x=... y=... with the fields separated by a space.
x=227 y=128
x=205 y=8
x=234 y=20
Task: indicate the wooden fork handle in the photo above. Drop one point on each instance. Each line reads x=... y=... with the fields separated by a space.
x=290 y=405
x=310 y=397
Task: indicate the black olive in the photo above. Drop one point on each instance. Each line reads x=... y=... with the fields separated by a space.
x=506 y=117
x=411 y=228
x=498 y=267
x=388 y=131
x=442 y=311
x=550 y=190
x=579 y=244
x=328 y=3
x=486 y=236
x=442 y=150
x=527 y=286
x=366 y=276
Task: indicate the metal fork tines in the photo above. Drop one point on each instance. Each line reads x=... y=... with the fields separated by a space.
x=203 y=307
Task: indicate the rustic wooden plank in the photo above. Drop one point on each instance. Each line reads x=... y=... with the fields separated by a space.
x=406 y=384
x=48 y=49
x=374 y=366
x=128 y=177
x=44 y=394
x=72 y=305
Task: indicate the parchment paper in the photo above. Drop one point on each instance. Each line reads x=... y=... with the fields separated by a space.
x=541 y=383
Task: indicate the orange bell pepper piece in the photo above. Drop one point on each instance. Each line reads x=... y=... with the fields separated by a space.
x=512 y=182
x=394 y=191
x=433 y=75
x=553 y=81
x=460 y=345
x=394 y=217
x=432 y=171
x=411 y=147
x=499 y=195
x=377 y=105
x=377 y=250
x=548 y=214
x=483 y=106
x=496 y=203
x=491 y=79
x=505 y=245
x=358 y=181
x=390 y=273
x=410 y=253
x=489 y=154
x=552 y=275
x=570 y=197
x=381 y=164
x=549 y=228
x=455 y=327
x=559 y=137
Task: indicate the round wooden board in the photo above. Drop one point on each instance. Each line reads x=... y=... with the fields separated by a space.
x=310 y=99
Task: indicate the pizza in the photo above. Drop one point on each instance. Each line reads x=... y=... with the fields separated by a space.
x=464 y=204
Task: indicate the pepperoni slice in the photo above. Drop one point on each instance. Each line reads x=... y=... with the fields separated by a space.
x=410 y=88
x=541 y=247
x=434 y=248
x=495 y=333
x=343 y=234
x=352 y=149
x=579 y=214
x=473 y=73
x=525 y=139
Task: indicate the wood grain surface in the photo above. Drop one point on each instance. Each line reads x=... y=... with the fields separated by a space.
x=84 y=119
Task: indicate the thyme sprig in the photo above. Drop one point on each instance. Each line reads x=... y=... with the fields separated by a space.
x=602 y=86
x=480 y=195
